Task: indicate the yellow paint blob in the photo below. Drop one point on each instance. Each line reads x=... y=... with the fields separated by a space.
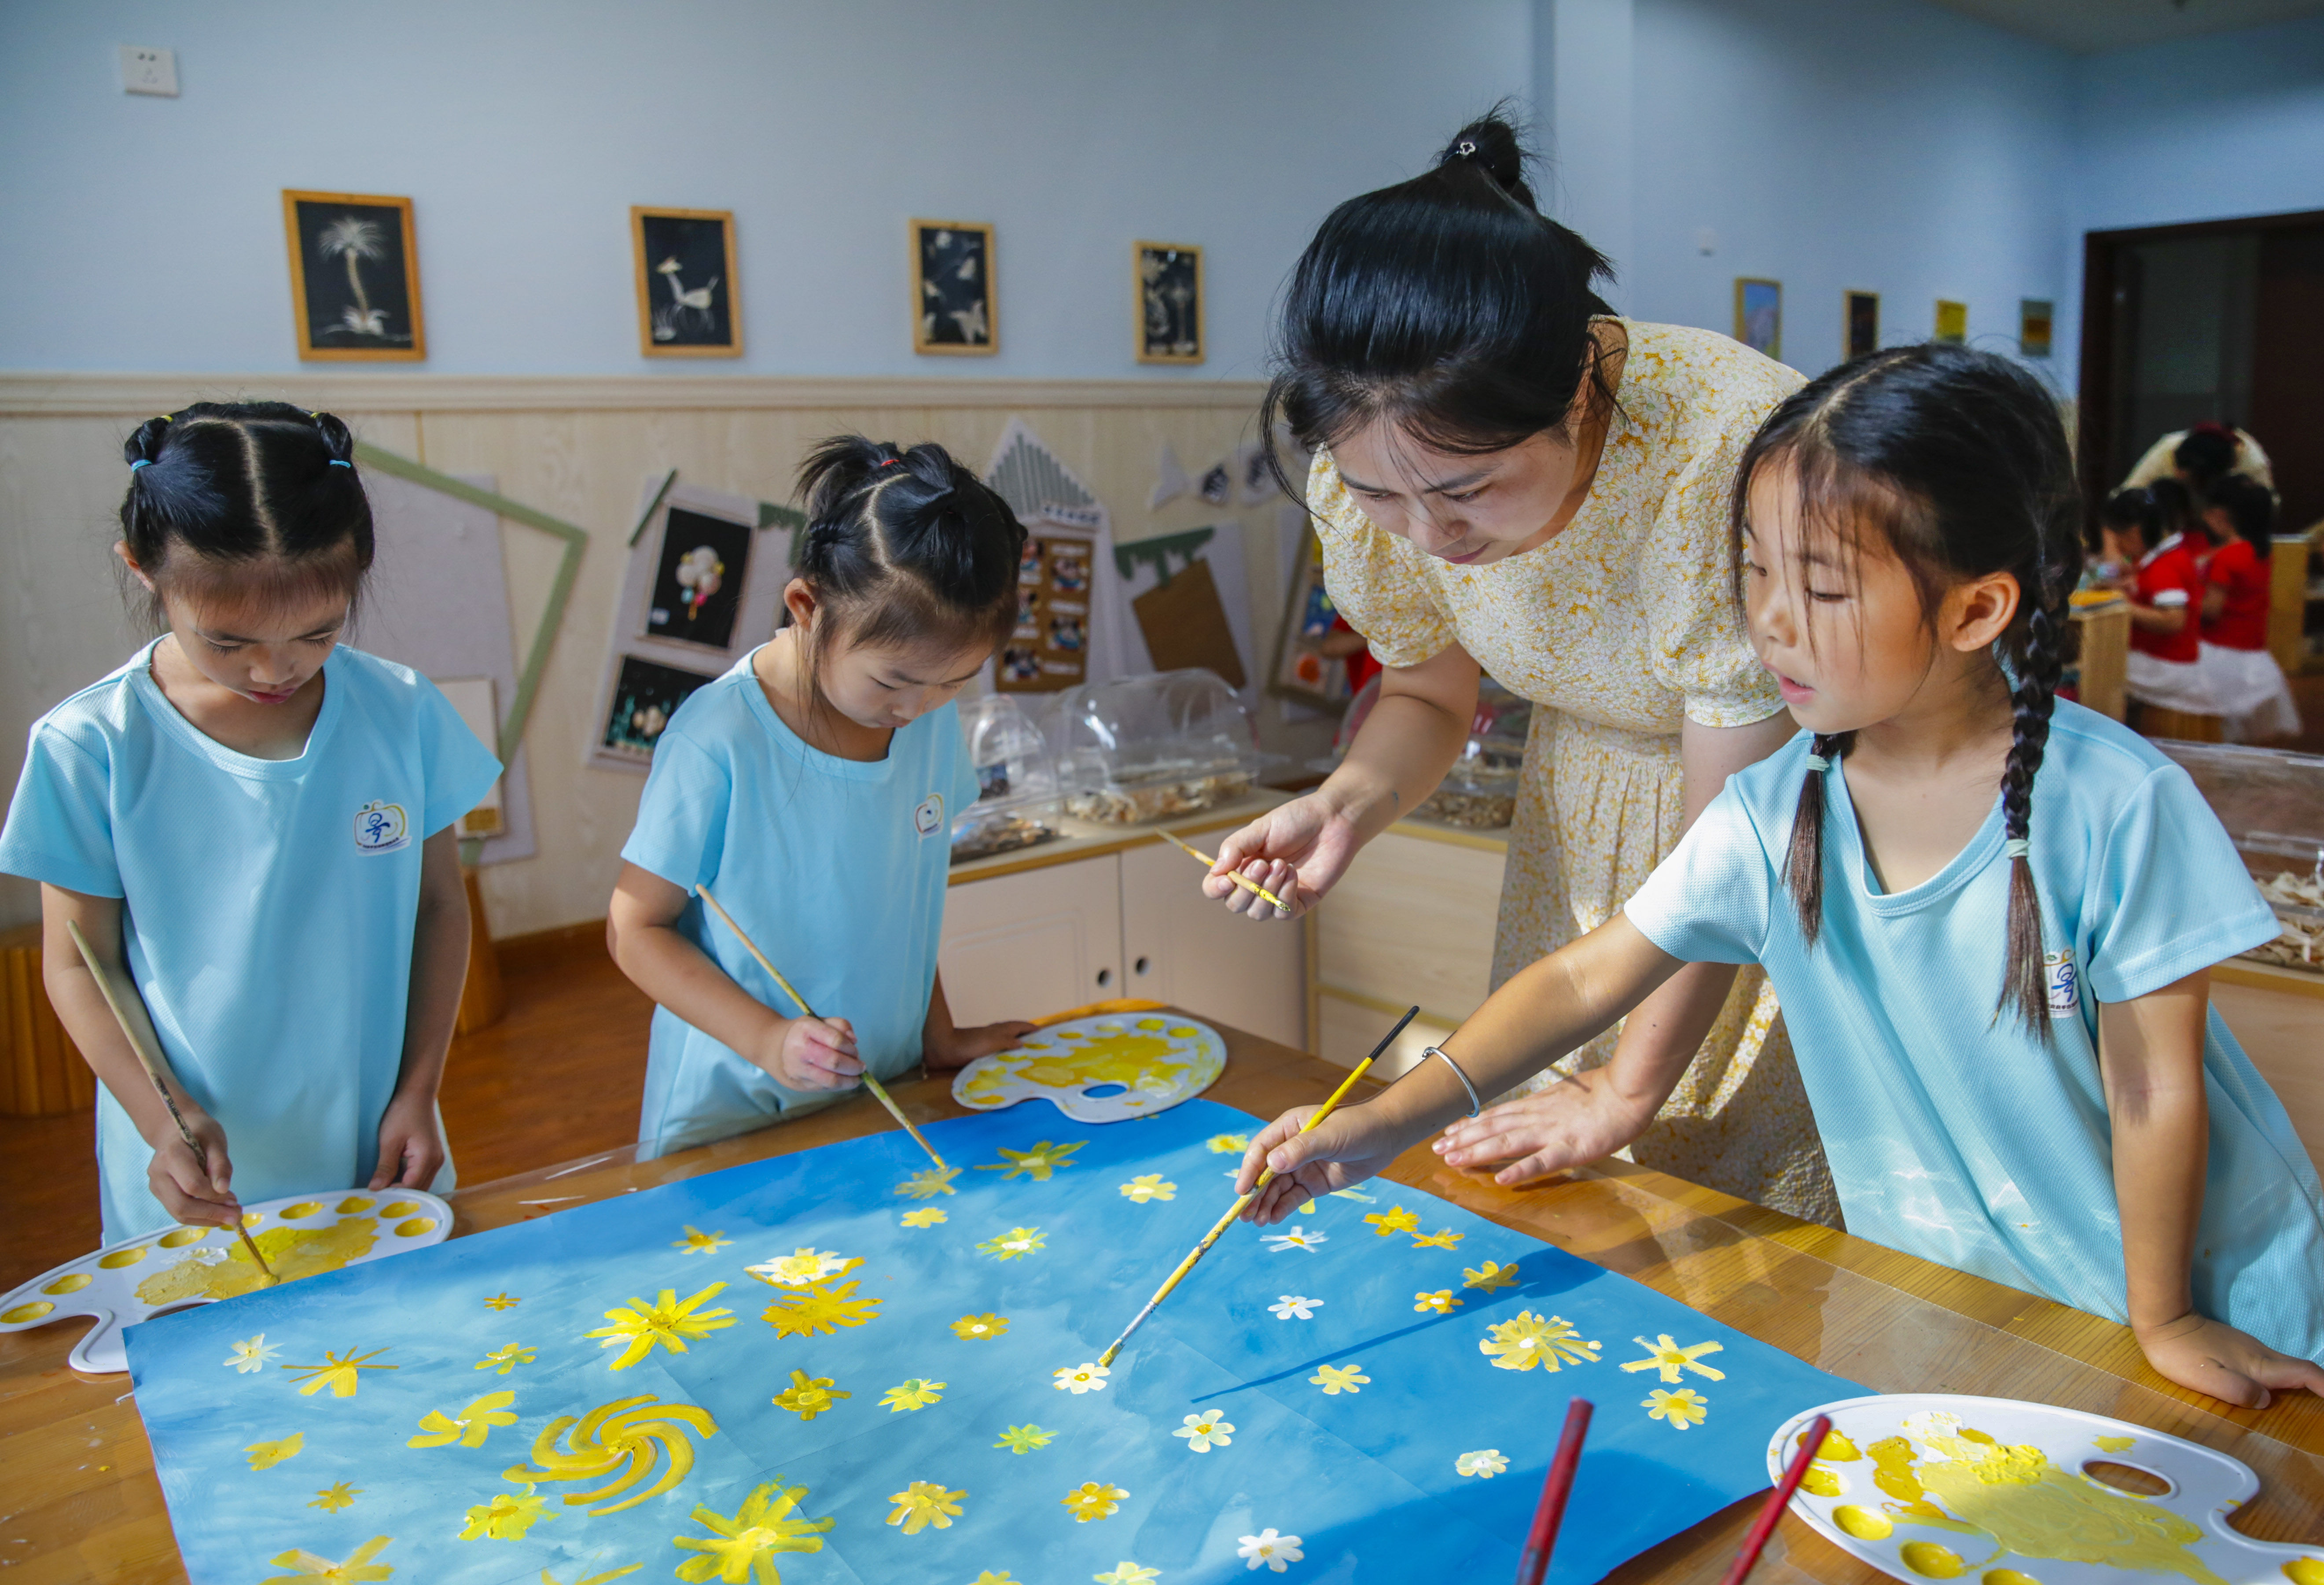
x=1836 y=1449
x=354 y=1203
x=1932 y=1560
x=1185 y=1032
x=2305 y=1571
x=2114 y=1444
x=1893 y=1460
x=1863 y=1523
x=1823 y=1481
x=24 y=1312
x=305 y=1207
x=292 y=1252
x=2006 y=1577
x=415 y=1227
x=251 y=1218
x=399 y=1208
x=179 y=1237
x=72 y=1282
x=1151 y=1024
x=121 y=1258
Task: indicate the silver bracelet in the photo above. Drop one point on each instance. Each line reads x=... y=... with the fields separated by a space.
x=1475 y=1105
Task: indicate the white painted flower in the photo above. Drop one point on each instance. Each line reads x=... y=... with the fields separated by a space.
x=1484 y=1463
x=1204 y=1431
x=1268 y=1550
x=1078 y=1380
x=252 y=1354
x=1296 y=1238
x=797 y=1270
x=1292 y=1305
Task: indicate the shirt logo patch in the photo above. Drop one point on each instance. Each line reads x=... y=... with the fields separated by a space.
x=2065 y=985
x=380 y=827
x=928 y=818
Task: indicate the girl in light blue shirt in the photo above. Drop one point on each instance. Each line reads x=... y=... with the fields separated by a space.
x=812 y=789
x=257 y=822
x=1990 y=916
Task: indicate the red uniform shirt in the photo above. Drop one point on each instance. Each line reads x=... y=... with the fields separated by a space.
x=2169 y=579
x=2236 y=568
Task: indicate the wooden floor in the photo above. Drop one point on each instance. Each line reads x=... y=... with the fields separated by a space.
x=558 y=1078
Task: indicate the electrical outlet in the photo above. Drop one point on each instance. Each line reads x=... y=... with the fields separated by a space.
x=149 y=71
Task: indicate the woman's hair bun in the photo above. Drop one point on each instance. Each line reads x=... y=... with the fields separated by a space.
x=1491 y=144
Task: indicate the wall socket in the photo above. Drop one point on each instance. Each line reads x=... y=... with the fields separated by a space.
x=149 y=71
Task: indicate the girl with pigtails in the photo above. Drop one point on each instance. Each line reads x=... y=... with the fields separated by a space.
x=1990 y=915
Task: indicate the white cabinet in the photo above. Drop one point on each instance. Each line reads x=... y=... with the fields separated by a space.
x=1180 y=947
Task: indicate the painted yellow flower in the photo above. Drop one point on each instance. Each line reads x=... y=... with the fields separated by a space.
x=824 y=1308
x=1013 y=1245
x=359 y=1570
x=912 y=1393
x=1024 y=1438
x=1484 y=1463
x=1078 y=1380
x=802 y=1267
x=1148 y=1187
x=1335 y=1379
x=1093 y=1499
x=506 y=1517
x=1441 y=1301
x=1128 y=1574
x=508 y=1358
x=1395 y=1220
x=809 y=1396
x=336 y=1495
x=1490 y=1276
x=1529 y=1340
x=1441 y=1239
x=975 y=1328
x=1664 y=1354
x=632 y=1431
x=924 y=1503
x=929 y=1182
x=469 y=1427
x=766 y=1525
x=265 y=1455
x=337 y=1372
x=609 y=1574
x=669 y=1321
x=1679 y=1409
x=1038 y=1163
x=697 y=1242
x=503 y=1302
x=926 y=1216
x=987 y=1577
x=1228 y=1143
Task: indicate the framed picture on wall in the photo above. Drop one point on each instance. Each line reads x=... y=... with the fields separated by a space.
x=354 y=277
x=687 y=302
x=1952 y=321
x=955 y=310
x=645 y=695
x=1759 y=315
x=700 y=568
x=1860 y=323
x=2035 y=316
x=1169 y=295
x=1301 y=672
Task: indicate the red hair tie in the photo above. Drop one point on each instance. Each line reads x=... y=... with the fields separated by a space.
x=891 y=462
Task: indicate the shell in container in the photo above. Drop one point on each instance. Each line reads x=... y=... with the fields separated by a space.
x=1152 y=747
x=1016 y=778
x=2271 y=802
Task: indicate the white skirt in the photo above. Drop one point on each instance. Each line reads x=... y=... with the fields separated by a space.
x=2173 y=685
x=2248 y=693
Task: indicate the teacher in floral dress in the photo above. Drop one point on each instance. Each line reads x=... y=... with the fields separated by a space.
x=1508 y=477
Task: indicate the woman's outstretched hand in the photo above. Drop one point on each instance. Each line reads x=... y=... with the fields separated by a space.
x=1583 y=1118
x=1341 y=1151
x=1298 y=852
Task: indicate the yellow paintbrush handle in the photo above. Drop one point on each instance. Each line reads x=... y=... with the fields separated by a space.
x=1245 y=882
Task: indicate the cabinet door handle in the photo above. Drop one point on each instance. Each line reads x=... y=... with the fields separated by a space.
x=1142 y=965
x=1104 y=976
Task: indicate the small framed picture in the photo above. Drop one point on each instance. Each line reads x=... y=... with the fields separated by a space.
x=686 y=301
x=1169 y=293
x=1301 y=672
x=646 y=694
x=955 y=310
x=1952 y=321
x=1860 y=323
x=354 y=277
x=699 y=573
x=2035 y=316
x=1759 y=315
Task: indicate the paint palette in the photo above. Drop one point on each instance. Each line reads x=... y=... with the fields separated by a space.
x=1099 y=1070
x=1931 y=1486
x=140 y=1278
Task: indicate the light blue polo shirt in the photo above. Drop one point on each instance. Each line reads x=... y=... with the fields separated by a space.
x=837 y=867
x=268 y=906
x=1958 y=1137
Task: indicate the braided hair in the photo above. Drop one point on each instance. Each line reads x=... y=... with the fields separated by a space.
x=1959 y=459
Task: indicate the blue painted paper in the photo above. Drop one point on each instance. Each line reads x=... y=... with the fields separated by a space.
x=1425 y=1465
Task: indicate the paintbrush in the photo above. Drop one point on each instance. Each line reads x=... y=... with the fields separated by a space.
x=1235 y=1209
x=869 y=1082
x=1550 y=1511
x=1245 y=882
x=1764 y=1527
x=139 y=1033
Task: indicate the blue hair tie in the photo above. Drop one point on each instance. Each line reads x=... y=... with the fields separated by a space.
x=337 y=463
x=140 y=462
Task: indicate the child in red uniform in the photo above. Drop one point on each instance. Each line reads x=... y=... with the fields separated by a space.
x=2243 y=681
x=2156 y=573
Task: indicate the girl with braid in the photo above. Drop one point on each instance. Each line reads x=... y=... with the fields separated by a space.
x=1990 y=915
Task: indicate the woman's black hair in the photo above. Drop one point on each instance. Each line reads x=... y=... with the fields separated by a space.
x=2207 y=455
x=249 y=501
x=2250 y=505
x=1447 y=305
x=1958 y=459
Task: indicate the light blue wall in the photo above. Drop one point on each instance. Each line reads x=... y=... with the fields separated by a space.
x=146 y=233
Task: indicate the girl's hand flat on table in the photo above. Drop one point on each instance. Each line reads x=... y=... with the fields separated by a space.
x=965 y=1045
x=1298 y=852
x=1341 y=1151
x=1580 y=1119
x=810 y=1054
x=196 y=1195
x=2212 y=1356
x=410 y=1145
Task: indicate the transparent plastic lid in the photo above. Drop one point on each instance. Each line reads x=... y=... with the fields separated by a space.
x=1144 y=748
x=1016 y=775
x=2271 y=800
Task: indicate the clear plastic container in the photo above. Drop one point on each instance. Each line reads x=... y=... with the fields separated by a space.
x=1480 y=793
x=1152 y=747
x=1015 y=777
x=2271 y=802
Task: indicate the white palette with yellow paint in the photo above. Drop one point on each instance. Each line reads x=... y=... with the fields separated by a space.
x=301 y=1235
x=1106 y=1069
x=1932 y=1486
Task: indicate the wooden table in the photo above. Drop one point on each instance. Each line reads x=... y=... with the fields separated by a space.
x=79 y=1500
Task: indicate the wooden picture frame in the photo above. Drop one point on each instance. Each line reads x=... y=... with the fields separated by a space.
x=2037 y=319
x=670 y=246
x=1951 y=324
x=331 y=235
x=1296 y=672
x=1168 y=303
x=1860 y=323
x=954 y=314
x=1759 y=314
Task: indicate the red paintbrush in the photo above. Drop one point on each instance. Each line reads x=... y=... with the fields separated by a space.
x=1811 y=1444
x=1554 y=1490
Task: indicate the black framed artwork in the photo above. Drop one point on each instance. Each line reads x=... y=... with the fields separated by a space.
x=699 y=579
x=1169 y=290
x=953 y=309
x=686 y=301
x=354 y=277
x=646 y=694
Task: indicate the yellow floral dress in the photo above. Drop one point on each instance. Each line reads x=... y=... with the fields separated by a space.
x=1617 y=629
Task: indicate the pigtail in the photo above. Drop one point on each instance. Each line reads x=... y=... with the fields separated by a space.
x=2025 y=986
x=1803 y=860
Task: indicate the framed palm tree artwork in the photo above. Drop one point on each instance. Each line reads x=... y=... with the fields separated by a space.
x=686 y=301
x=354 y=277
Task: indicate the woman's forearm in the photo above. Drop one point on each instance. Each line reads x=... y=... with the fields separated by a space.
x=1407 y=743
x=2151 y=1055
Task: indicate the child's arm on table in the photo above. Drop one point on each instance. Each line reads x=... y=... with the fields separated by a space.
x=944 y=1046
x=410 y=1144
x=1546 y=1011
x=2151 y=1056
x=800 y=1053
x=179 y=1181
